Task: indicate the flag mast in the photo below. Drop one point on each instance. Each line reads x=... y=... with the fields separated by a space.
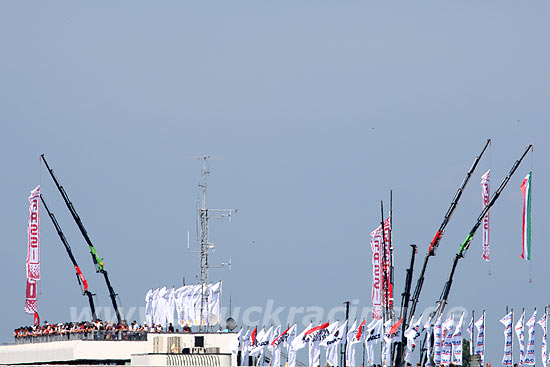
x=439 y=234
x=79 y=276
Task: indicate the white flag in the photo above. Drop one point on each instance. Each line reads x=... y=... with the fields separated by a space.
x=485 y=192
x=169 y=306
x=236 y=345
x=438 y=340
x=351 y=333
x=411 y=334
x=446 y=350
x=372 y=336
x=520 y=333
x=214 y=300
x=264 y=342
x=148 y=307
x=457 y=341
x=158 y=307
x=530 y=355
x=392 y=334
x=245 y=347
x=480 y=343
x=277 y=341
x=291 y=352
x=544 y=346
x=299 y=342
x=507 y=322
x=274 y=347
x=355 y=335
x=471 y=332
x=195 y=305
x=332 y=341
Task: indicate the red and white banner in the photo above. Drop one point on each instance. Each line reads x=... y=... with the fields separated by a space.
x=33 y=230
x=30 y=301
x=380 y=270
x=485 y=192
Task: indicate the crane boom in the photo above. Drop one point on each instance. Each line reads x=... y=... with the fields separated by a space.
x=439 y=234
x=79 y=276
x=98 y=261
x=466 y=244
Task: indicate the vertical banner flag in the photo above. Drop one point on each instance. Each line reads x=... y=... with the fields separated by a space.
x=274 y=344
x=485 y=194
x=379 y=269
x=245 y=347
x=30 y=301
x=544 y=346
x=507 y=322
x=480 y=342
x=291 y=352
x=530 y=355
x=33 y=252
x=447 y=349
x=521 y=336
x=471 y=332
x=411 y=334
x=526 y=227
x=457 y=342
x=33 y=230
x=437 y=341
x=372 y=336
x=331 y=342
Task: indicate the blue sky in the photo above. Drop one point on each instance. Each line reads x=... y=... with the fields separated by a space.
x=312 y=112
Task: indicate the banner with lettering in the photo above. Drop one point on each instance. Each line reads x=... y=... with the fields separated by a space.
x=485 y=194
x=381 y=270
x=33 y=230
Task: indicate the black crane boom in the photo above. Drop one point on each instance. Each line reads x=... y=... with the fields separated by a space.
x=98 y=261
x=439 y=234
x=79 y=276
x=466 y=244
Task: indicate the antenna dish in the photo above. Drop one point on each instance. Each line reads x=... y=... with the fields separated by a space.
x=212 y=319
x=230 y=324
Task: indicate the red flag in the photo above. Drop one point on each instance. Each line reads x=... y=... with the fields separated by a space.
x=36 y=319
x=360 y=331
x=253 y=337
x=320 y=327
x=82 y=279
x=395 y=327
x=277 y=338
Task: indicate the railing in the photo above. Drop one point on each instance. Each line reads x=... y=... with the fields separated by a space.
x=92 y=335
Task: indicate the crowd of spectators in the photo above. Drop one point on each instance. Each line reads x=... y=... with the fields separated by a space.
x=99 y=329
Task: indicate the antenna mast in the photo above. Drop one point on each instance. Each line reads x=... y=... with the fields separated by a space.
x=205 y=246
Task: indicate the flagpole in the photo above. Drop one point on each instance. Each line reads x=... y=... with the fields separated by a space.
x=472 y=334
x=343 y=353
x=385 y=279
x=484 y=336
x=512 y=344
x=546 y=315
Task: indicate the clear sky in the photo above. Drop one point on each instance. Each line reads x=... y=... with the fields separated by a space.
x=312 y=112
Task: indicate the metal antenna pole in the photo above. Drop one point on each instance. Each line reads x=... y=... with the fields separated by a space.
x=205 y=246
x=203 y=215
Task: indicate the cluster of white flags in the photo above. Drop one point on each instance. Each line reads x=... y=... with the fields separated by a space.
x=526 y=347
x=327 y=335
x=447 y=340
x=161 y=303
